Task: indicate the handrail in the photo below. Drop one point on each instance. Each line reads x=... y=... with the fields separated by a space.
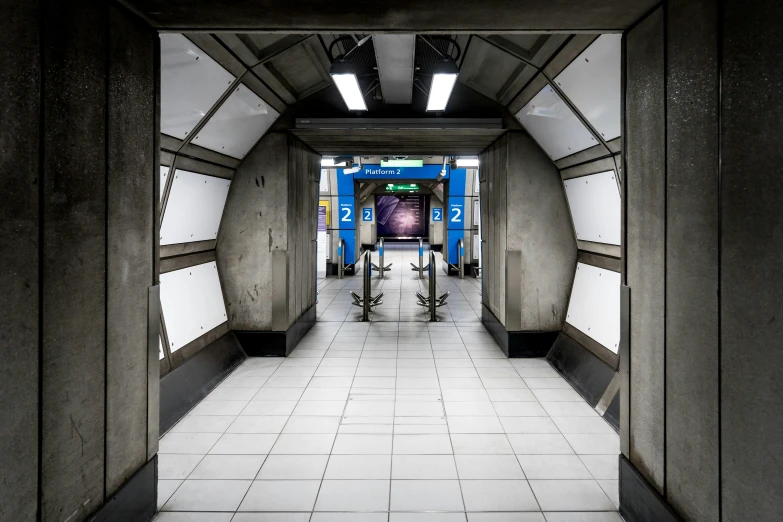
x=380 y=259
x=461 y=254
x=340 y=258
x=367 y=275
x=422 y=267
x=433 y=287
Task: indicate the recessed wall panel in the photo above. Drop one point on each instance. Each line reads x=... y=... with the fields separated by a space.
x=164 y=174
x=554 y=125
x=595 y=207
x=238 y=124
x=194 y=208
x=592 y=83
x=594 y=307
x=190 y=84
x=192 y=303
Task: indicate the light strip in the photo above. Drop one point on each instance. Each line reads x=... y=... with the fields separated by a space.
x=440 y=91
x=402 y=163
x=467 y=162
x=349 y=90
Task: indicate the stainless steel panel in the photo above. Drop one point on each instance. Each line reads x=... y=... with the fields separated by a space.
x=153 y=370
x=513 y=290
x=280 y=291
x=625 y=370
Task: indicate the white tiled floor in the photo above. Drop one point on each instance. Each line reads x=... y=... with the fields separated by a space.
x=397 y=420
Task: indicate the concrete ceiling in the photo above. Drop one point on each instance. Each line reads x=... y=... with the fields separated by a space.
x=411 y=16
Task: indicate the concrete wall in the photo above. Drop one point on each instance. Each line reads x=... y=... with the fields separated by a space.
x=82 y=186
x=524 y=209
x=704 y=185
x=271 y=207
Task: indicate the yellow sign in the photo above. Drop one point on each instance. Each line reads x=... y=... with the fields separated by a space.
x=325 y=203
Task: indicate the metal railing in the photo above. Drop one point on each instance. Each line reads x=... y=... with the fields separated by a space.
x=340 y=260
x=366 y=301
x=461 y=254
x=380 y=267
x=432 y=302
x=421 y=268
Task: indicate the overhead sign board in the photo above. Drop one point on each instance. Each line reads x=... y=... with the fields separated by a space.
x=406 y=173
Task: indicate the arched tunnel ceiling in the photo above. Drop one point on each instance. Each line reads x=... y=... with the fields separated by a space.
x=294 y=70
x=507 y=16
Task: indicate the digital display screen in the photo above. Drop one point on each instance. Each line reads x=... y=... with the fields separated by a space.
x=402 y=215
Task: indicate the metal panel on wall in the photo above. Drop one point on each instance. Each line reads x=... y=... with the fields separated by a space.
x=592 y=83
x=194 y=208
x=594 y=307
x=190 y=84
x=595 y=207
x=554 y=126
x=192 y=303
x=238 y=124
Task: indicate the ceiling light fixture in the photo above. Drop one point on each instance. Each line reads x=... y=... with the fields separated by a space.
x=467 y=162
x=344 y=77
x=443 y=79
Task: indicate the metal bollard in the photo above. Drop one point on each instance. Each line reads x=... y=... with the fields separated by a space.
x=421 y=258
x=461 y=253
x=340 y=261
x=433 y=287
x=380 y=259
x=367 y=287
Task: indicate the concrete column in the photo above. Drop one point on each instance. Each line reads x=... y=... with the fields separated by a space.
x=266 y=248
x=77 y=259
x=530 y=254
x=704 y=185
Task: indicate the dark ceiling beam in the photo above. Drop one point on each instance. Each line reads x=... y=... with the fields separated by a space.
x=279 y=47
x=281 y=80
x=507 y=46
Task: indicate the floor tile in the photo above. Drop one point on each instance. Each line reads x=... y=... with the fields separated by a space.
x=475 y=425
x=426 y=495
x=293 y=467
x=594 y=444
x=176 y=466
x=481 y=444
x=324 y=408
x=419 y=467
x=553 y=467
x=303 y=444
x=528 y=425
x=602 y=467
x=353 y=495
x=571 y=495
x=228 y=467
x=311 y=424
x=281 y=495
x=506 y=517
x=166 y=488
x=170 y=516
x=488 y=467
x=583 y=517
x=204 y=424
x=349 y=517
x=188 y=443
x=208 y=495
x=427 y=517
x=362 y=444
x=244 y=444
x=498 y=495
x=366 y=467
x=258 y=424
x=539 y=444
x=271 y=517
x=422 y=445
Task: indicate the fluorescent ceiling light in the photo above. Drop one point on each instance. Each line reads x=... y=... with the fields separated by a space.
x=443 y=81
x=345 y=79
x=327 y=162
x=467 y=162
x=402 y=163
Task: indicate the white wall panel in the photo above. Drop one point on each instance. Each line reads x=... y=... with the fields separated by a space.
x=595 y=207
x=592 y=83
x=194 y=208
x=164 y=174
x=594 y=307
x=238 y=124
x=554 y=125
x=190 y=84
x=192 y=303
